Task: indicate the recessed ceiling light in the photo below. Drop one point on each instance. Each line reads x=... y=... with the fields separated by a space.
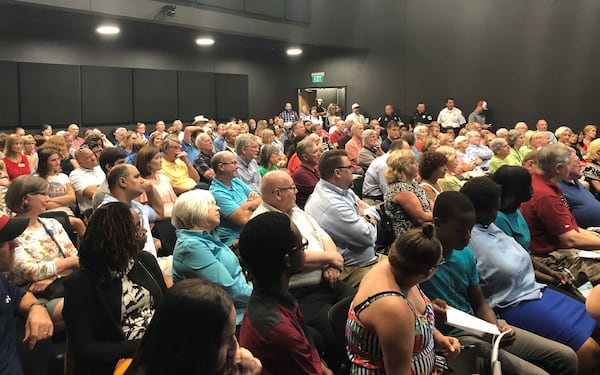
x=108 y=29
x=205 y=41
x=294 y=51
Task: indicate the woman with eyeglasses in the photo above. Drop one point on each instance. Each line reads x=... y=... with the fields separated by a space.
x=15 y=160
x=406 y=202
x=45 y=252
x=199 y=253
x=391 y=325
x=110 y=301
x=510 y=287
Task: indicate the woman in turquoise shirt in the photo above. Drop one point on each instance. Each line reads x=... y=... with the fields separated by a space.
x=200 y=254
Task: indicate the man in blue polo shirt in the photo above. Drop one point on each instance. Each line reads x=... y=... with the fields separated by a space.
x=236 y=200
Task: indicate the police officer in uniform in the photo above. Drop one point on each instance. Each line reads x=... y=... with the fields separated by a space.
x=420 y=116
x=388 y=116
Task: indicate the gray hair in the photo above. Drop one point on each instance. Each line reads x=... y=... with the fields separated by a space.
x=303 y=146
x=512 y=137
x=265 y=154
x=549 y=156
x=241 y=141
x=19 y=188
x=367 y=133
x=471 y=134
x=191 y=209
x=496 y=144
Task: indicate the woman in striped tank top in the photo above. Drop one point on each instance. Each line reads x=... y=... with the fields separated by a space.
x=390 y=327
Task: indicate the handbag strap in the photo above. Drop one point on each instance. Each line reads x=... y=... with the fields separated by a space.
x=51 y=234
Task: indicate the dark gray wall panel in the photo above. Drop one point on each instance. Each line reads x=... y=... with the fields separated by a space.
x=297 y=10
x=227 y=4
x=196 y=95
x=9 y=95
x=154 y=95
x=271 y=8
x=50 y=94
x=106 y=95
x=232 y=95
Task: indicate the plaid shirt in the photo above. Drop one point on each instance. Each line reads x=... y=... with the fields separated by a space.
x=291 y=116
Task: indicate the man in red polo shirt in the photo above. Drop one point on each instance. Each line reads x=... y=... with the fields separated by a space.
x=555 y=235
x=306 y=175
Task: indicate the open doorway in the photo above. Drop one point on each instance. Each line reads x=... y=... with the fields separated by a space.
x=307 y=97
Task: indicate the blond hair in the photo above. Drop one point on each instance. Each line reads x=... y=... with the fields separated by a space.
x=397 y=165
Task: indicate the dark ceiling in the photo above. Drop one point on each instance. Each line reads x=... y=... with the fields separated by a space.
x=36 y=21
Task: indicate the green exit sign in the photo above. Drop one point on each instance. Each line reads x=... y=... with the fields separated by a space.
x=318 y=77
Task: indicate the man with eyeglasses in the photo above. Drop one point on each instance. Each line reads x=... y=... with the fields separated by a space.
x=317 y=288
x=247 y=149
x=176 y=166
x=236 y=200
x=351 y=223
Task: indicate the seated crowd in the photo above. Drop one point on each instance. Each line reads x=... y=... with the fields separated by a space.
x=225 y=248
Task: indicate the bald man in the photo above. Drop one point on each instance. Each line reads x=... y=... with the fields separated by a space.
x=318 y=287
x=86 y=179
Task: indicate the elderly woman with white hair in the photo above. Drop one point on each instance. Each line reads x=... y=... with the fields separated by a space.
x=199 y=253
x=370 y=150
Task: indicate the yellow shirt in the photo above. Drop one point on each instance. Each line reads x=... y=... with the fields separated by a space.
x=177 y=172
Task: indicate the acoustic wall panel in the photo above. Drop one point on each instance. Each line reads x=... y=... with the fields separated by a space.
x=196 y=95
x=270 y=8
x=232 y=95
x=226 y=4
x=154 y=95
x=9 y=95
x=297 y=10
x=106 y=95
x=50 y=94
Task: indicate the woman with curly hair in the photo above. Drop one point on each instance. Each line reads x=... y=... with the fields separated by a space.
x=405 y=201
x=432 y=167
x=111 y=299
